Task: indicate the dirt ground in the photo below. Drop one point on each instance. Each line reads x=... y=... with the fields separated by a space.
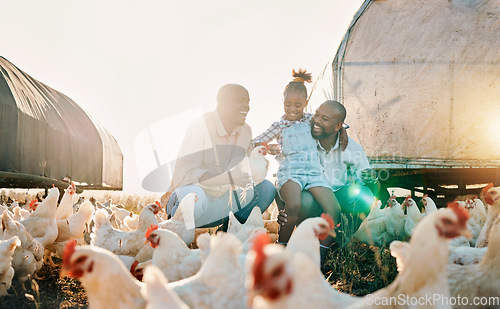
x=48 y=291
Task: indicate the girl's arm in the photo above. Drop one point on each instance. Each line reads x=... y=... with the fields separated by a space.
x=344 y=139
x=268 y=135
x=273 y=132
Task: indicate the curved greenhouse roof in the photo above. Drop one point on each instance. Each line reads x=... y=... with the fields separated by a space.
x=46 y=138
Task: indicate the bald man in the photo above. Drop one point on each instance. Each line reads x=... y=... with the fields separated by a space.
x=214 y=144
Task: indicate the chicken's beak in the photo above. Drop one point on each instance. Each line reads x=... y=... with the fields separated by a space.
x=466 y=233
x=332 y=233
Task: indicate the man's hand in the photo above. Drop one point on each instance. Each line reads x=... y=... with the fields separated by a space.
x=282 y=218
x=368 y=176
x=240 y=179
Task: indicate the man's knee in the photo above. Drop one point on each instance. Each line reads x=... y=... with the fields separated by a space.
x=267 y=192
x=361 y=203
x=309 y=207
x=179 y=193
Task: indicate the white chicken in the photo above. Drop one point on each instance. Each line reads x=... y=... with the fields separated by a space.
x=479 y=280
x=463 y=255
x=246 y=231
x=172 y=255
x=395 y=224
x=219 y=283
x=3 y=208
x=71 y=228
x=182 y=223
x=277 y=283
x=373 y=229
x=42 y=222
x=115 y=222
x=20 y=214
x=492 y=198
x=417 y=277
x=428 y=205
x=65 y=208
x=119 y=242
x=28 y=257
x=74 y=226
x=480 y=210
x=307 y=235
x=7 y=249
x=131 y=223
x=413 y=215
x=156 y=292
x=13 y=205
x=476 y=222
x=120 y=213
x=256 y=164
x=100 y=271
x=276 y=278
x=243 y=230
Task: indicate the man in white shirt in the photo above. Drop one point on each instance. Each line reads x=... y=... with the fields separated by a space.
x=348 y=172
x=214 y=144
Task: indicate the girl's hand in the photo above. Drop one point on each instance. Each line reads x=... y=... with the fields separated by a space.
x=344 y=139
x=274 y=149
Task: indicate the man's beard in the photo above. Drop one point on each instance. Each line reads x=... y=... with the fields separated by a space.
x=323 y=134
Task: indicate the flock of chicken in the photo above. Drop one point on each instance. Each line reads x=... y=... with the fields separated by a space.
x=126 y=260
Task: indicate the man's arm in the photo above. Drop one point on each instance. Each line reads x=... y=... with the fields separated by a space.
x=239 y=178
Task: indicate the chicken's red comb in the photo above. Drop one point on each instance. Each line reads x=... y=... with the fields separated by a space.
x=328 y=219
x=68 y=251
x=408 y=197
x=158 y=203
x=259 y=241
x=150 y=230
x=33 y=203
x=485 y=189
x=258 y=244
x=462 y=213
x=265 y=144
x=425 y=195
x=393 y=197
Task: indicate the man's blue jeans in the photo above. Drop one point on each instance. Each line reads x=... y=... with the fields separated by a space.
x=212 y=211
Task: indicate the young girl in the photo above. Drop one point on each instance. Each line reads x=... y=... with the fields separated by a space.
x=299 y=168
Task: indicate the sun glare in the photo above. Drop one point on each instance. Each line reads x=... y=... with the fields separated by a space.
x=495 y=132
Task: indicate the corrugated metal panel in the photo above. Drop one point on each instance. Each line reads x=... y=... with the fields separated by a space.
x=45 y=133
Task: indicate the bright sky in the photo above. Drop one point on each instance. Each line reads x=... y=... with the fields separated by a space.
x=134 y=66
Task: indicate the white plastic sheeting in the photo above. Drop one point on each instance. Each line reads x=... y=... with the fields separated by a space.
x=420 y=81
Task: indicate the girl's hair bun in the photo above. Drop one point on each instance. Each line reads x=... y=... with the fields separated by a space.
x=301 y=76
